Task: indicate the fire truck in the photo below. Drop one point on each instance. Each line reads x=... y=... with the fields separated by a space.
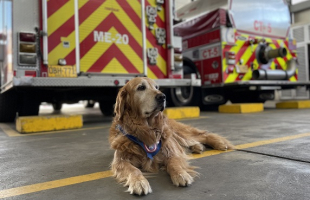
x=62 y=51
x=241 y=50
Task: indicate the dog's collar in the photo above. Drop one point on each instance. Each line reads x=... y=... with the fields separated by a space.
x=149 y=150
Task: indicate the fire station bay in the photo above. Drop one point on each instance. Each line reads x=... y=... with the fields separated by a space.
x=154 y=99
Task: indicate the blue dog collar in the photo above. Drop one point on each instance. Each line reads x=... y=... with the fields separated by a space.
x=149 y=150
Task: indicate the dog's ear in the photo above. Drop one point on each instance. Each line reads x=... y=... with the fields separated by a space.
x=120 y=104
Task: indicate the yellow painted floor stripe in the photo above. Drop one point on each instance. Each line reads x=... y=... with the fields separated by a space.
x=252 y=144
x=12 y=133
x=8 y=130
x=100 y=175
x=53 y=184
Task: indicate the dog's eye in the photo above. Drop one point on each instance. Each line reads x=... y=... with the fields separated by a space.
x=141 y=87
x=157 y=87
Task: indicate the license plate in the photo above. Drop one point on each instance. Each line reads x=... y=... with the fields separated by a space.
x=242 y=68
x=62 y=71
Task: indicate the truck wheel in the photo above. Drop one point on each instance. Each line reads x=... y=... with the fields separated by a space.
x=106 y=107
x=89 y=103
x=239 y=100
x=246 y=100
x=186 y=96
x=57 y=106
x=249 y=97
x=8 y=106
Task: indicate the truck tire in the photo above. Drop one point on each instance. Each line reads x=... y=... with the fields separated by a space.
x=251 y=97
x=246 y=100
x=186 y=96
x=57 y=106
x=89 y=103
x=8 y=106
x=106 y=107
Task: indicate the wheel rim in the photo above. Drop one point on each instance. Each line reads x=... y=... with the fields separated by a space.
x=184 y=94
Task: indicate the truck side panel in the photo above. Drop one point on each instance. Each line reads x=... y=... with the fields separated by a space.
x=110 y=36
x=6 y=65
x=25 y=20
x=246 y=59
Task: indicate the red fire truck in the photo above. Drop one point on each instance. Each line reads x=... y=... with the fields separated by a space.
x=242 y=51
x=60 y=51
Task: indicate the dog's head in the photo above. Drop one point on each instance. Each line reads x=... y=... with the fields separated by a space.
x=140 y=97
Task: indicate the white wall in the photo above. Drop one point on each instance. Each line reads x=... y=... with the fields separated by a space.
x=181 y=3
x=297 y=1
x=302 y=17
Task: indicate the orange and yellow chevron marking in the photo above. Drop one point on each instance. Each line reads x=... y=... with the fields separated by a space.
x=161 y=61
x=246 y=54
x=110 y=68
x=61 y=29
x=62 y=15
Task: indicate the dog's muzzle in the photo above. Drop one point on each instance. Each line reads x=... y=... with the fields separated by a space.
x=161 y=101
x=160 y=98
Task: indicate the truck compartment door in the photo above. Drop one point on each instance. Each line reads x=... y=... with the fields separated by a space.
x=110 y=36
x=61 y=32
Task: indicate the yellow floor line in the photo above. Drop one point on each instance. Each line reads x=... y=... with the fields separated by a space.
x=100 y=175
x=12 y=133
x=9 y=131
x=187 y=119
x=53 y=184
x=253 y=144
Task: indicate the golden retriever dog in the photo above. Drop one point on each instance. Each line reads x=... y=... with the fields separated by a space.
x=144 y=139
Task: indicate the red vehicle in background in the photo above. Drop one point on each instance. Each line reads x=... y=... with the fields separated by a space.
x=241 y=50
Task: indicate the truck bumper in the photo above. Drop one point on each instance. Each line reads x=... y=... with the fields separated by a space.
x=272 y=84
x=96 y=81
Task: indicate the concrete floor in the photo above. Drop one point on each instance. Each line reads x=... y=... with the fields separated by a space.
x=32 y=164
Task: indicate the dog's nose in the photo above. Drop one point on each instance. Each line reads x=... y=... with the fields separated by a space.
x=160 y=98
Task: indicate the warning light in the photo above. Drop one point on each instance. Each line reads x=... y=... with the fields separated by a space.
x=28 y=59
x=27 y=37
x=230 y=58
x=27 y=48
x=116 y=82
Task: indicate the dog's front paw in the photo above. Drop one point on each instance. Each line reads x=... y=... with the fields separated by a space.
x=182 y=179
x=138 y=185
x=197 y=148
x=219 y=143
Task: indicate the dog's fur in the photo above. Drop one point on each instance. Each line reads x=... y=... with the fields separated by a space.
x=139 y=112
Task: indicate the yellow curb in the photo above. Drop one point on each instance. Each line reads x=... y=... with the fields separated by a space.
x=182 y=112
x=34 y=124
x=294 y=104
x=242 y=108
